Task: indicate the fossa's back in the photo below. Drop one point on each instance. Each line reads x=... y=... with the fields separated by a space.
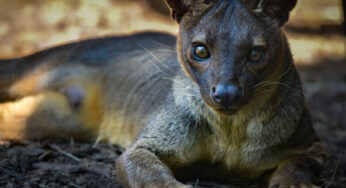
x=110 y=84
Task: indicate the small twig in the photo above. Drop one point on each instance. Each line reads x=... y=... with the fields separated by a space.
x=44 y=155
x=65 y=153
x=335 y=170
x=72 y=142
x=259 y=7
x=74 y=185
x=11 y=173
x=97 y=141
x=42 y=186
x=196 y=183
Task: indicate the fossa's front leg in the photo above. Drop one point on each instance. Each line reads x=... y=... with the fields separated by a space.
x=145 y=162
x=140 y=167
x=300 y=172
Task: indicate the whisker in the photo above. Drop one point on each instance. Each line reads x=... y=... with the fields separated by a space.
x=158 y=68
x=289 y=68
x=192 y=89
x=184 y=89
x=159 y=43
x=281 y=83
x=155 y=57
x=259 y=84
x=186 y=93
x=173 y=51
x=181 y=82
x=267 y=83
x=278 y=83
x=190 y=95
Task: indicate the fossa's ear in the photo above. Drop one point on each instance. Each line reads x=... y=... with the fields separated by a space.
x=178 y=8
x=276 y=10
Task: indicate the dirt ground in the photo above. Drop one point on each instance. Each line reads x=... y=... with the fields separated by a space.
x=317 y=42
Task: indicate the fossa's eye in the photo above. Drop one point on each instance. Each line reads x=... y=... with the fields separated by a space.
x=200 y=52
x=256 y=55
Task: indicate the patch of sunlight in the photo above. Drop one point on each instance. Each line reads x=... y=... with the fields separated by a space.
x=306 y=48
x=332 y=13
x=4 y=28
x=53 y=13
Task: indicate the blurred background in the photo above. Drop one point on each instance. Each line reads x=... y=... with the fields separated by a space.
x=316 y=33
x=30 y=25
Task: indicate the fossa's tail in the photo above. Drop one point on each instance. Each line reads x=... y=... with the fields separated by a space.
x=39 y=98
x=8 y=70
x=21 y=73
x=44 y=115
x=11 y=70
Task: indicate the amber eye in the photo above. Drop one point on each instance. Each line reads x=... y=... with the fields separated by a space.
x=255 y=55
x=201 y=52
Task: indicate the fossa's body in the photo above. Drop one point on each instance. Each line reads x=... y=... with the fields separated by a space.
x=103 y=86
x=208 y=110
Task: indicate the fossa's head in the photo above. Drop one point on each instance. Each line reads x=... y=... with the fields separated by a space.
x=229 y=46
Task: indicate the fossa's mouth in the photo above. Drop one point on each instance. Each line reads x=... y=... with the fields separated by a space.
x=222 y=110
x=233 y=109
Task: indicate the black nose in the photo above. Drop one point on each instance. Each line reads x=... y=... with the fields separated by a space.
x=226 y=95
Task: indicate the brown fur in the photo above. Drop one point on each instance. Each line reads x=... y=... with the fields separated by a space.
x=137 y=92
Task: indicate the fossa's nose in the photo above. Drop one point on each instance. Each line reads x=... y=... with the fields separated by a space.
x=226 y=95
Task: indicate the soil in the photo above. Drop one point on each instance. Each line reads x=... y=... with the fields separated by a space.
x=68 y=163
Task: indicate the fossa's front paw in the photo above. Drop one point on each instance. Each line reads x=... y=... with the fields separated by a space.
x=296 y=173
